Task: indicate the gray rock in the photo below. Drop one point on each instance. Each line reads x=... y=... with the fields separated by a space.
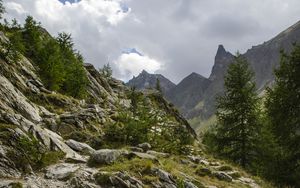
x=81 y=147
x=164 y=176
x=144 y=146
x=223 y=176
x=158 y=154
x=61 y=171
x=188 y=184
x=107 y=156
x=137 y=149
x=143 y=155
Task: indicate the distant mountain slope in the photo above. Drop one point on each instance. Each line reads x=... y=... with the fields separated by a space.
x=146 y=80
x=262 y=58
x=188 y=92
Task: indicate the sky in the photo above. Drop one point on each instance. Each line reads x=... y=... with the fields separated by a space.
x=170 y=37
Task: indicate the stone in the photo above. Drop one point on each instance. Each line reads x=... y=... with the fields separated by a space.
x=81 y=147
x=223 y=176
x=137 y=149
x=164 y=176
x=195 y=159
x=143 y=155
x=188 y=184
x=61 y=171
x=202 y=171
x=158 y=154
x=144 y=146
x=107 y=156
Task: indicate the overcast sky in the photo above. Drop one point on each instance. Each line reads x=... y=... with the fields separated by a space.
x=171 y=37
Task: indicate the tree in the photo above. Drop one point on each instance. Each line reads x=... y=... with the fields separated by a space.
x=32 y=38
x=106 y=71
x=51 y=65
x=283 y=110
x=237 y=115
x=158 y=87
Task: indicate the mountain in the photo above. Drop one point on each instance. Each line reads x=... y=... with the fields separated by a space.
x=145 y=81
x=262 y=58
x=188 y=92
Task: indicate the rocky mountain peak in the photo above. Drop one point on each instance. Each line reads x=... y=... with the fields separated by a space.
x=146 y=80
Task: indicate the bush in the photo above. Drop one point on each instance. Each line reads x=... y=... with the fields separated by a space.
x=28 y=152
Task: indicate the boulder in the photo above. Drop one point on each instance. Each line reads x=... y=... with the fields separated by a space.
x=188 y=184
x=81 y=147
x=107 y=156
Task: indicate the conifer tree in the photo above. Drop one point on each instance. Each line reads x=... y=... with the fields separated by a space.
x=283 y=109
x=237 y=115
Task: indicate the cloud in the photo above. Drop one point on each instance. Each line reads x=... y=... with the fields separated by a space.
x=132 y=62
x=181 y=35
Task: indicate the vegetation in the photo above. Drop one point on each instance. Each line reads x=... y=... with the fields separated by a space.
x=283 y=109
x=267 y=145
x=106 y=71
x=28 y=153
x=60 y=65
x=143 y=124
x=237 y=114
x=158 y=87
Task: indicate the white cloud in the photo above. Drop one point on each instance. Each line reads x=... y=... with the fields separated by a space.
x=130 y=64
x=183 y=34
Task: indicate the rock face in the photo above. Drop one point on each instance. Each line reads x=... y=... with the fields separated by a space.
x=188 y=92
x=195 y=95
x=145 y=81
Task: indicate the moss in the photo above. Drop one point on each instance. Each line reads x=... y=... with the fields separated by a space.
x=225 y=168
x=16 y=185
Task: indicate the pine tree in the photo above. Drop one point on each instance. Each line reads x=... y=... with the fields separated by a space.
x=237 y=114
x=283 y=109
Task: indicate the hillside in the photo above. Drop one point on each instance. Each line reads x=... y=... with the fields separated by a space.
x=110 y=136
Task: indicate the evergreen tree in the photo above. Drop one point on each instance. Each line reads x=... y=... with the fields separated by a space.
x=32 y=38
x=106 y=71
x=51 y=65
x=283 y=109
x=238 y=128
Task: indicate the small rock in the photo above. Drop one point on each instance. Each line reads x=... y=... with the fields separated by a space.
x=195 y=159
x=158 y=154
x=188 y=184
x=164 y=176
x=81 y=147
x=143 y=156
x=137 y=149
x=144 y=146
x=222 y=176
x=203 y=171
